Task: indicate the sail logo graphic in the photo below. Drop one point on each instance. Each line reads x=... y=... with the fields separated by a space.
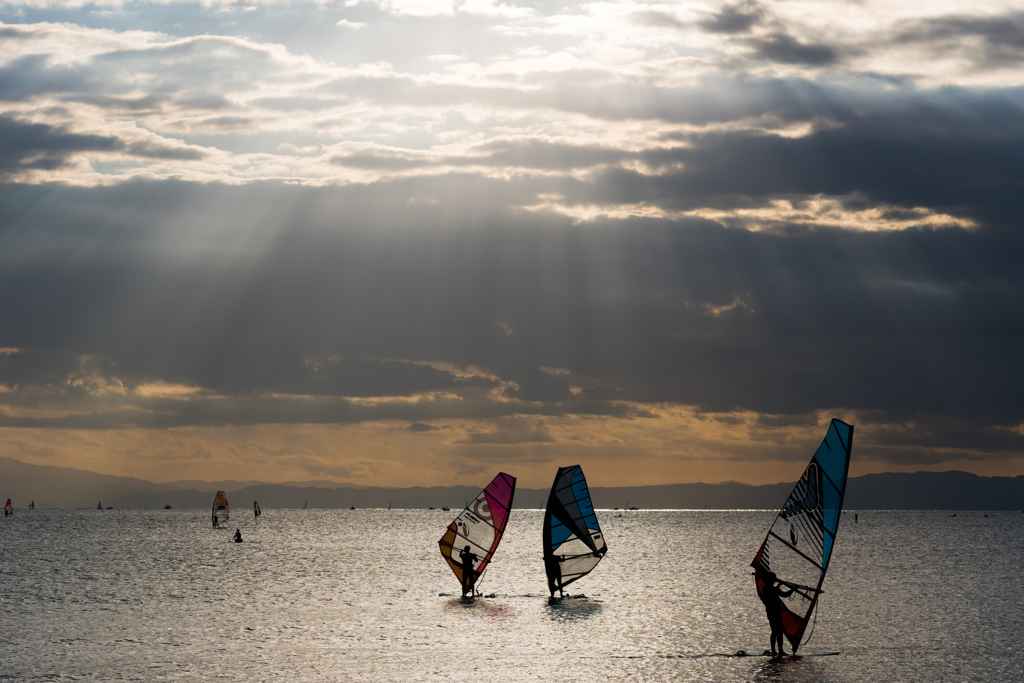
x=463 y=528
x=482 y=509
x=806 y=497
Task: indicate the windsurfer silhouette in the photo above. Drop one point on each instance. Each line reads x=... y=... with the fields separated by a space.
x=215 y=520
x=468 y=559
x=554 y=569
x=238 y=535
x=771 y=596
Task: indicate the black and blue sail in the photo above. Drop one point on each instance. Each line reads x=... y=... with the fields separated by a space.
x=799 y=544
x=573 y=542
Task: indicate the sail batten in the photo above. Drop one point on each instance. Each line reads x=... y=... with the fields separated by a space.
x=573 y=541
x=798 y=547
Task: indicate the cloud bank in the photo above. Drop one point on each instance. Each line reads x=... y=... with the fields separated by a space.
x=667 y=240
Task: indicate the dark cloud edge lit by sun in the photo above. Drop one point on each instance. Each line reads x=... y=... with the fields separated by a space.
x=414 y=242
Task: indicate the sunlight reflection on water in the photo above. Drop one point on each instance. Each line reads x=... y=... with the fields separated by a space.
x=340 y=595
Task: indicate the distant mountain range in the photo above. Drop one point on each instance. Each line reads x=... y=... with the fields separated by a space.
x=65 y=487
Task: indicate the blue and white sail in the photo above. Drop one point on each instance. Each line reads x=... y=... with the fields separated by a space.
x=573 y=542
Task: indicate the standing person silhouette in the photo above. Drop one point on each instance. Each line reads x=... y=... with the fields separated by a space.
x=771 y=596
x=468 y=559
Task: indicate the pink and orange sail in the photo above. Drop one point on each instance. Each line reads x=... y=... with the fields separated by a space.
x=480 y=526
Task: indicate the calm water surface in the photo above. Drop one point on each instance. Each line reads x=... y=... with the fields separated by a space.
x=340 y=595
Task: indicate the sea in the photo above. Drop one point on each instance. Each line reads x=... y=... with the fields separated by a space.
x=363 y=595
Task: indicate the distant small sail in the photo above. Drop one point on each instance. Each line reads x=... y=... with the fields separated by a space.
x=99 y=505
x=32 y=505
x=221 y=512
x=480 y=526
x=305 y=504
x=256 y=509
x=8 y=509
x=799 y=544
x=573 y=542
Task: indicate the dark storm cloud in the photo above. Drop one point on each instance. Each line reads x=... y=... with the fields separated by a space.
x=146 y=103
x=153 y=150
x=785 y=49
x=999 y=39
x=29 y=76
x=532 y=154
x=541 y=154
x=294 y=304
x=921 y=320
x=737 y=18
x=25 y=146
x=966 y=160
x=382 y=161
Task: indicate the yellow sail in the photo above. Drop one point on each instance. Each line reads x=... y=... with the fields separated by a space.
x=220 y=510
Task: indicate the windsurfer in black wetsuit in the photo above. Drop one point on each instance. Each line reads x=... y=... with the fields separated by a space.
x=238 y=535
x=771 y=596
x=554 y=571
x=468 y=559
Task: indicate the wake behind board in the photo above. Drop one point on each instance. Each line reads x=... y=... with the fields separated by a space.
x=743 y=653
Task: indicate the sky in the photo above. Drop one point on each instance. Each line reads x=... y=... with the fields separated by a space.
x=416 y=242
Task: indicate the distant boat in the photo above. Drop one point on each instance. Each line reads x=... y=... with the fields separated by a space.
x=167 y=507
x=479 y=527
x=221 y=511
x=32 y=505
x=445 y=508
x=800 y=541
x=352 y=507
x=99 y=505
x=8 y=509
x=573 y=542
